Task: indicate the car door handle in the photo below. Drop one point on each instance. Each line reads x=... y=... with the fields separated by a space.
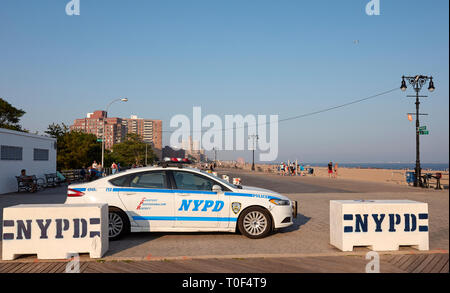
x=130 y=193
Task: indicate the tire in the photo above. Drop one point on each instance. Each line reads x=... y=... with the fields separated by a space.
x=118 y=224
x=255 y=223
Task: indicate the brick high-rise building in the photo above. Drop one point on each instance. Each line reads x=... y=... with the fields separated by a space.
x=93 y=123
x=148 y=129
x=116 y=129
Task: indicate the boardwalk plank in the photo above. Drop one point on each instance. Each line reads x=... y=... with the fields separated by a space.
x=29 y=267
x=406 y=262
x=5 y=267
x=58 y=267
x=416 y=261
x=83 y=266
x=93 y=267
x=393 y=259
x=424 y=264
x=17 y=268
x=199 y=266
x=430 y=266
x=43 y=269
x=124 y=267
x=445 y=268
x=443 y=259
x=158 y=267
x=39 y=267
x=402 y=260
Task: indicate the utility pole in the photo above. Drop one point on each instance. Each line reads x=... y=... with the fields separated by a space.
x=254 y=137
x=146 y=145
x=417 y=83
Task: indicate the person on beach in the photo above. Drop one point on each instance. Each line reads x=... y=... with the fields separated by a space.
x=335 y=170
x=330 y=169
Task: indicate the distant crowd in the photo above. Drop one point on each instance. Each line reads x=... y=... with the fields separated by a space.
x=294 y=169
x=96 y=170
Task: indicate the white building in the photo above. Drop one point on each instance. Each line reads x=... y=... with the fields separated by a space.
x=19 y=150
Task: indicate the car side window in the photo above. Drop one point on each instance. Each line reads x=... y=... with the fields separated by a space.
x=120 y=181
x=155 y=180
x=190 y=181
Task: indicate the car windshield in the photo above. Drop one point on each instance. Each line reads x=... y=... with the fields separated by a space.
x=219 y=179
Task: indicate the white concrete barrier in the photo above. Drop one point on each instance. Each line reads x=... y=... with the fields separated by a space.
x=380 y=224
x=55 y=231
x=226 y=178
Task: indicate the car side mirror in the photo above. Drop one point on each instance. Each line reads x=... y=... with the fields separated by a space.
x=216 y=188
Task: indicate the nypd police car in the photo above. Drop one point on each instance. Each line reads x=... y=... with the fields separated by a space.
x=173 y=198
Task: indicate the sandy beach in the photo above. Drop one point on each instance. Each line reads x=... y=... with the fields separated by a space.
x=360 y=174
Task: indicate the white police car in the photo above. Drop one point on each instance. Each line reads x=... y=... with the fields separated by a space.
x=171 y=198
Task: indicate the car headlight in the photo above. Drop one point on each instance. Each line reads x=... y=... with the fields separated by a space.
x=280 y=202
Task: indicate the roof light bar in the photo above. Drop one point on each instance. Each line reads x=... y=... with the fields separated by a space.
x=174 y=161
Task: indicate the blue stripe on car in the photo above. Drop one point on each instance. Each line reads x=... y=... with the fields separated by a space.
x=184 y=191
x=202 y=219
x=190 y=191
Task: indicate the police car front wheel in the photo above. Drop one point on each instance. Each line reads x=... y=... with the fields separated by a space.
x=255 y=223
x=118 y=224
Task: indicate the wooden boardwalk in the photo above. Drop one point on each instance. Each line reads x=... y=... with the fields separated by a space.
x=401 y=263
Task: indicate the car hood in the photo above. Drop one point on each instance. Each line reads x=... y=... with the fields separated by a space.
x=257 y=190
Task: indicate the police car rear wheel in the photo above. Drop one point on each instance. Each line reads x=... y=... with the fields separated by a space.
x=255 y=223
x=118 y=224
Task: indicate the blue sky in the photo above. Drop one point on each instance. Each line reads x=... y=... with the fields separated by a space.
x=237 y=57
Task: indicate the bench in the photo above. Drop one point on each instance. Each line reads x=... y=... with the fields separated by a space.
x=73 y=175
x=427 y=177
x=27 y=184
x=52 y=179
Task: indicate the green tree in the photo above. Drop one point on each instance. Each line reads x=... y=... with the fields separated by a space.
x=57 y=131
x=74 y=149
x=10 y=116
x=77 y=149
x=132 y=151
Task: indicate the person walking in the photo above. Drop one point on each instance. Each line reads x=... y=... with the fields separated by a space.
x=330 y=169
x=100 y=170
x=335 y=170
x=114 y=168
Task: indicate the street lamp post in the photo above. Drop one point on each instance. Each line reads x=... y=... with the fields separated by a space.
x=103 y=126
x=215 y=155
x=417 y=83
x=254 y=137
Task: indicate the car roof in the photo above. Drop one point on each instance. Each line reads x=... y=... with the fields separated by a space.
x=155 y=168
